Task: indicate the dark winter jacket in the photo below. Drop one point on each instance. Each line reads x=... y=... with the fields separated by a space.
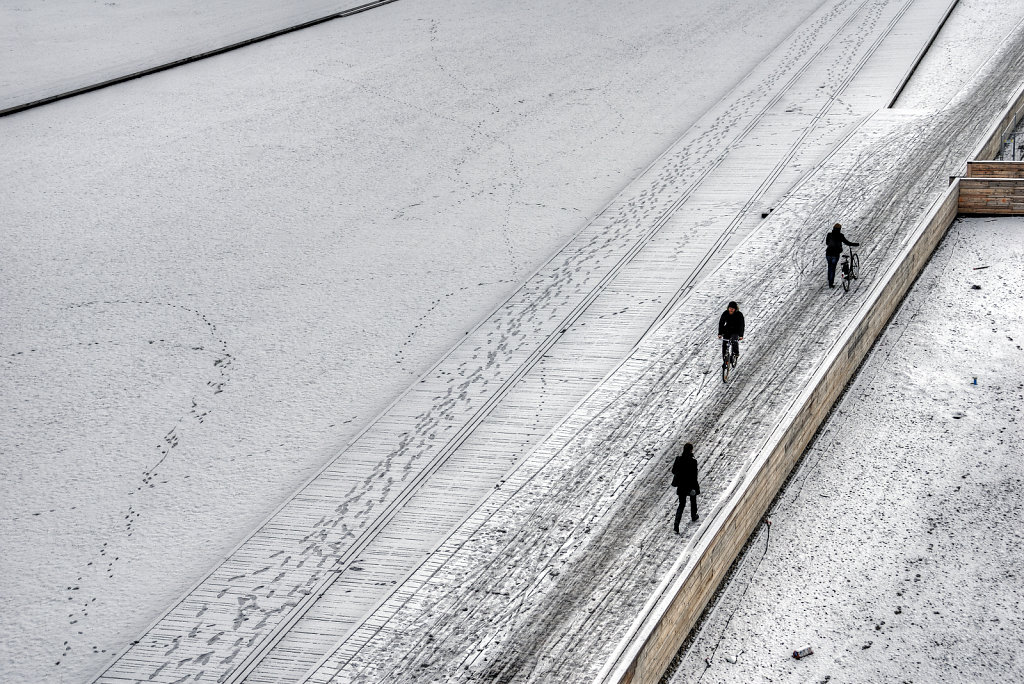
x=684 y=474
x=834 y=241
x=731 y=324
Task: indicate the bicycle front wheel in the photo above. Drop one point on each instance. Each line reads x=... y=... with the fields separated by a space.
x=726 y=367
x=855 y=266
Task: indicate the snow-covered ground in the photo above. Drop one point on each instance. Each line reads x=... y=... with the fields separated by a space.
x=894 y=551
x=49 y=48
x=216 y=276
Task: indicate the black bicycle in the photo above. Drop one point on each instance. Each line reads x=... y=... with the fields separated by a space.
x=850 y=269
x=729 y=356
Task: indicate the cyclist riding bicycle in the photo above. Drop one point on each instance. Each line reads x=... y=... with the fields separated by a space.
x=730 y=328
x=834 y=242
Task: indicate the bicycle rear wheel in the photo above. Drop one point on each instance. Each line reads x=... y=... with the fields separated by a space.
x=846 y=282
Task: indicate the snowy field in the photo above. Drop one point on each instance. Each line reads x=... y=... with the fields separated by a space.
x=51 y=48
x=216 y=276
x=894 y=551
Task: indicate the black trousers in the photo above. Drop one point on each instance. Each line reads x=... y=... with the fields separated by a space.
x=683 y=493
x=735 y=340
x=832 y=261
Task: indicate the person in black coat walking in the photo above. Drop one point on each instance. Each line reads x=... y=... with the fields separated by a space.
x=730 y=327
x=684 y=479
x=834 y=242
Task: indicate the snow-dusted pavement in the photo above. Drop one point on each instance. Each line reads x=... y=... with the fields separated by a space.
x=895 y=549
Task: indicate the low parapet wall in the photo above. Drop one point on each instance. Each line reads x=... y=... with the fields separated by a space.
x=991 y=196
x=995 y=169
x=993 y=188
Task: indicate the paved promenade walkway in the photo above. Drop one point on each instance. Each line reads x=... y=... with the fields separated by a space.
x=526 y=467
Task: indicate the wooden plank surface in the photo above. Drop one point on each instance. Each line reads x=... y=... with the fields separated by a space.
x=995 y=169
x=984 y=196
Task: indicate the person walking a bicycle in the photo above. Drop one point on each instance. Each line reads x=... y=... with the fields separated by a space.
x=834 y=242
x=730 y=328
